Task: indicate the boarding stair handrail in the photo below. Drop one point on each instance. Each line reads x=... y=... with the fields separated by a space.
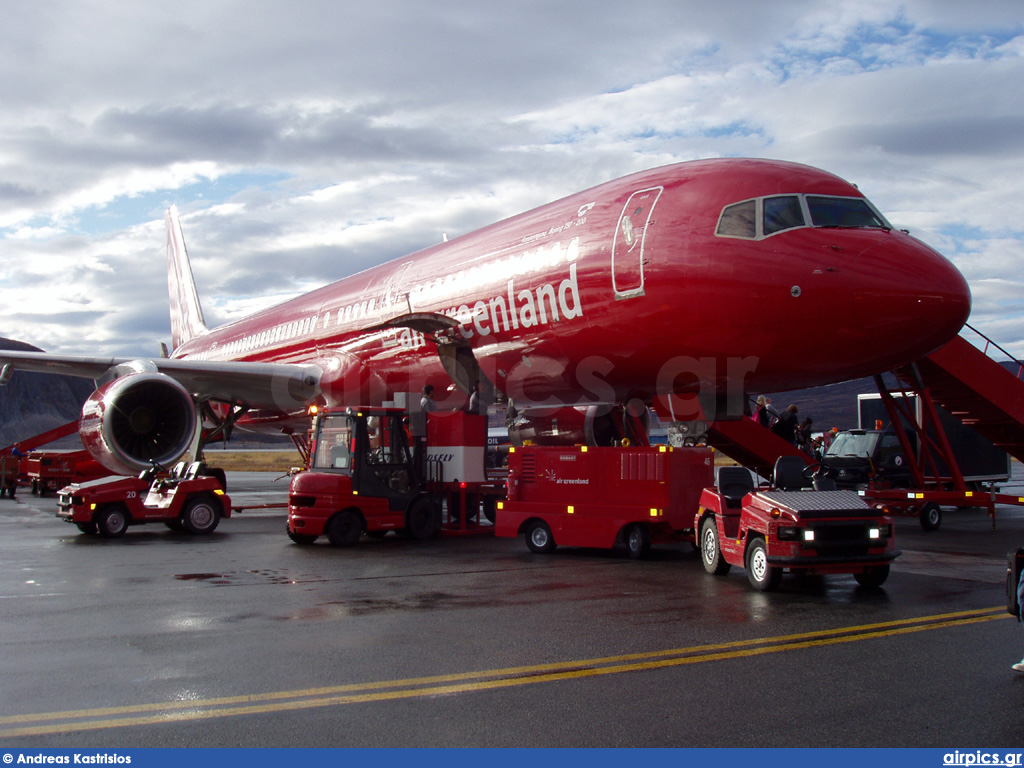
x=990 y=343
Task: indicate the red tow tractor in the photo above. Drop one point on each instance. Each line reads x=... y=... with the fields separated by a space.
x=188 y=499
x=789 y=526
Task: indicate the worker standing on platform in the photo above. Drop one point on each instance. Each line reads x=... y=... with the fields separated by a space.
x=478 y=400
x=427 y=400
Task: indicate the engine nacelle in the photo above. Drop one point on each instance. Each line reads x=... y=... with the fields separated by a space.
x=580 y=425
x=137 y=419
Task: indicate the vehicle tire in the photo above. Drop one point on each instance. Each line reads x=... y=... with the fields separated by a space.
x=423 y=519
x=299 y=538
x=200 y=515
x=112 y=521
x=89 y=529
x=539 y=538
x=711 y=550
x=931 y=516
x=873 y=577
x=762 y=577
x=344 y=529
x=638 y=541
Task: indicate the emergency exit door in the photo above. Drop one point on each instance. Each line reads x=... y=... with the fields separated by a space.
x=629 y=247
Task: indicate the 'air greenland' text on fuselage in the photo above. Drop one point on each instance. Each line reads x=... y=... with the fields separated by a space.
x=525 y=308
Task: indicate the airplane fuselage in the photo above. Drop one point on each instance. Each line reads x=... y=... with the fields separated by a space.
x=748 y=275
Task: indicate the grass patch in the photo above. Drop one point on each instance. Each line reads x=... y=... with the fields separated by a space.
x=254 y=461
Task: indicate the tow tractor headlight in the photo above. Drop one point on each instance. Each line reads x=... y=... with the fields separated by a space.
x=808 y=534
x=788 y=533
x=879 y=532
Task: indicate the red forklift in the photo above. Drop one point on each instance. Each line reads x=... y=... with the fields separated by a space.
x=375 y=470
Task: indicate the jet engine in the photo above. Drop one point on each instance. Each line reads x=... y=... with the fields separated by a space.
x=581 y=425
x=137 y=419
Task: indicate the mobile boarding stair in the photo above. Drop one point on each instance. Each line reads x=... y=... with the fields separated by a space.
x=748 y=443
x=961 y=377
x=979 y=391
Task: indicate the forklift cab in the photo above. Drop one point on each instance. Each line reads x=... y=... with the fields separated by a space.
x=371 y=446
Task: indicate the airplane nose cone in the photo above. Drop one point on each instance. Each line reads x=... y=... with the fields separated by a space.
x=917 y=302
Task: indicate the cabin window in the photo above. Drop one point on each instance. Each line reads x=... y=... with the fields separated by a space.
x=843 y=212
x=739 y=220
x=782 y=213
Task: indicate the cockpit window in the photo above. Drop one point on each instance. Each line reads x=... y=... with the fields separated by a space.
x=739 y=220
x=842 y=212
x=782 y=213
x=767 y=216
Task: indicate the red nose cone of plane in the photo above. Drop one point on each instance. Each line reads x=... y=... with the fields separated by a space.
x=918 y=302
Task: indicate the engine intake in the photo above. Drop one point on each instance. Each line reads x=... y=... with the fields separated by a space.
x=138 y=419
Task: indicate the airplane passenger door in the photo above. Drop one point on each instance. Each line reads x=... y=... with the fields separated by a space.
x=630 y=242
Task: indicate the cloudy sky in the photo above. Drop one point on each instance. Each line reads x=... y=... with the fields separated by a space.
x=303 y=141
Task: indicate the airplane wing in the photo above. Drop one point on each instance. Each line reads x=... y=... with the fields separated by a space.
x=257 y=385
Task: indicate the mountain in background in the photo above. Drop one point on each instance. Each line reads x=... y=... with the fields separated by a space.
x=33 y=403
x=830 y=406
x=836 y=404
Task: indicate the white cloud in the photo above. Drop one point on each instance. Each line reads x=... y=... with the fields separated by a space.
x=306 y=141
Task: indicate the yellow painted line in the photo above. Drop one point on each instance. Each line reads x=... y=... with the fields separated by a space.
x=282 y=701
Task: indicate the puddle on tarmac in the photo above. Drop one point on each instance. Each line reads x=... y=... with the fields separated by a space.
x=239 y=578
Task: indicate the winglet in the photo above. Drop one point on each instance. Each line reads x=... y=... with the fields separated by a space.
x=186 y=313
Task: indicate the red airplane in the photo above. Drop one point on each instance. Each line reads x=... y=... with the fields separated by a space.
x=713 y=278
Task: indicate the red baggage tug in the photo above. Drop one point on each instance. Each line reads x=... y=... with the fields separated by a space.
x=602 y=497
x=191 y=499
x=768 y=530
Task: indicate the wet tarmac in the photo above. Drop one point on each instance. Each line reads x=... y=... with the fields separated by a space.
x=245 y=639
